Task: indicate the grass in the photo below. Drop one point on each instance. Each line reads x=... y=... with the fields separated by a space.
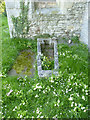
x=63 y=96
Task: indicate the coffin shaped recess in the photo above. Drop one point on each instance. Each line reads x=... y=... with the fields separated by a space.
x=47 y=47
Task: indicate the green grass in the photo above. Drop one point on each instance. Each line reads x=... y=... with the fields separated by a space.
x=11 y=47
x=63 y=96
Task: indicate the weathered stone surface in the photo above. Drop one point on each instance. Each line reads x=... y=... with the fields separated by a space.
x=51 y=23
x=45 y=73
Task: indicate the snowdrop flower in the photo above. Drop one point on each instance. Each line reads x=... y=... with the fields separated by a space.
x=41 y=116
x=71 y=98
x=71 y=77
x=85 y=86
x=55 y=105
x=70 y=89
x=72 y=104
x=43 y=91
x=52 y=81
x=83 y=97
x=82 y=108
x=66 y=91
x=83 y=90
x=74 y=108
x=86 y=90
x=14 y=109
x=37 y=86
x=24 y=103
x=58 y=101
x=54 y=93
x=37 y=111
x=20 y=116
x=69 y=41
x=79 y=105
x=75 y=104
x=77 y=94
x=63 y=54
x=9 y=92
x=36 y=96
x=80 y=84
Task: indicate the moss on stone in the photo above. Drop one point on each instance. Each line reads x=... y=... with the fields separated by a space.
x=24 y=63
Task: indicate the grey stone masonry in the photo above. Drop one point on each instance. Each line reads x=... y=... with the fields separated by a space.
x=45 y=73
x=54 y=20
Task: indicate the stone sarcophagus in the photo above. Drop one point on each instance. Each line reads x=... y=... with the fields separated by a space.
x=47 y=57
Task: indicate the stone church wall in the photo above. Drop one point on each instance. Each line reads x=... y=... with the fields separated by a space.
x=53 y=23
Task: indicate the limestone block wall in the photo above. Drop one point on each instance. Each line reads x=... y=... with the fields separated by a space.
x=57 y=24
x=52 y=23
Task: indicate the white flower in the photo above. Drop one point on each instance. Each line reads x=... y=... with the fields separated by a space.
x=37 y=111
x=75 y=104
x=58 y=101
x=77 y=94
x=74 y=108
x=41 y=116
x=43 y=91
x=82 y=108
x=36 y=96
x=69 y=41
x=83 y=97
x=71 y=98
x=79 y=105
x=72 y=104
x=85 y=86
x=66 y=91
x=55 y=105
x=37 y=86
x=71 y=77
x=83 y=90
x=70 y=89
x=52 y=81
x=75 y=83
x=54 y=93
x=9 y=92
x=86 y=91
x=63 y=54
x=24 y=103
x=20 y=116
x=14 y=109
